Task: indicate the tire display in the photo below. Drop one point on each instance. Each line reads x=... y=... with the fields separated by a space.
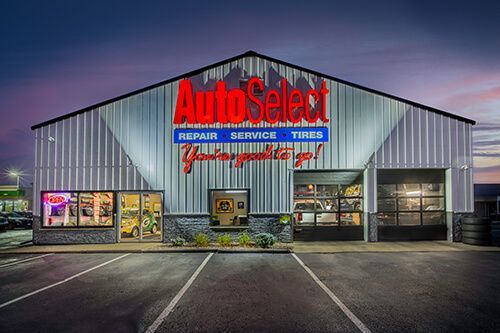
x=477 y=234
x=476 y=220
x=476 y=231
x=473 y=241
x=475 y=227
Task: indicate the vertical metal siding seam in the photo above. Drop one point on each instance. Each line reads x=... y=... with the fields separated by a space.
x=84 y=154
x=91 y=163
x=442 y=141
x=471 y=163
x=54 y=163
x=405 y=145
x=107 y=115
x=337 y=138
x=40 y=137
x=63 y=122
x=35 y=178
x=48 y=158
x=412 y=136
x=391 y=133
x=420 y=145
x=434 y=136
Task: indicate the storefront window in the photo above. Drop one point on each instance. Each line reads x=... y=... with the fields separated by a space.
x=60 y=209
x=78 y=209
x=328 y=205
x=410 y=204
x=96 y=209
x=230 y=207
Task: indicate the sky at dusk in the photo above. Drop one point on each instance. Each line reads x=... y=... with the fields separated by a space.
x=60 y=56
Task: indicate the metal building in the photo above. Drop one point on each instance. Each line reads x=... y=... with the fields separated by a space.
x=252 y=144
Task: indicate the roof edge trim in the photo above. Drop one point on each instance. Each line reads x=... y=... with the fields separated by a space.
x=251 y=54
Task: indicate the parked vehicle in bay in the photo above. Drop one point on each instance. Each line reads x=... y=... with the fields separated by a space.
x=304 y=213
x=4 y=223
x=17 y=220
x=130 y=223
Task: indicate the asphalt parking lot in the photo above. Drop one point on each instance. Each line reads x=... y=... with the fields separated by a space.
x=233 y=292
x=13 y=238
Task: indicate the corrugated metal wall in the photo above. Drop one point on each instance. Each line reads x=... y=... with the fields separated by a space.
x=127 y=145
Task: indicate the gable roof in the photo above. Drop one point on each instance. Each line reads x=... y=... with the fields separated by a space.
x=253 y=54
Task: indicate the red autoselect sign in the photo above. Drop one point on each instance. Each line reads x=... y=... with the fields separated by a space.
x=233 y=105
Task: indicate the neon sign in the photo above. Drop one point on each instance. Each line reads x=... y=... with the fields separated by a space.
x=57 y=199
x=233 y=106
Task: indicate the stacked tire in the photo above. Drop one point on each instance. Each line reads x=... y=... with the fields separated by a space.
x=476 y=231
x=495 y=233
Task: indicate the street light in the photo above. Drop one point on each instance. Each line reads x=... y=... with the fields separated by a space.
x=17 y=175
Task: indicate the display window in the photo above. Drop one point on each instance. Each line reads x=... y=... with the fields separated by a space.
x=327 y=205
x=60 y=209
x=229 y=208
x=78 y=209
x=96 y=209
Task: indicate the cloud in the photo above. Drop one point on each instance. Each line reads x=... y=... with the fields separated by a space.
x=486 y=154
x=487 y=127
x=487 y=175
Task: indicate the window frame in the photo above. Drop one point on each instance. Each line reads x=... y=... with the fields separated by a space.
x=337 y=197
x=421 y=211
x=77 y=226
x=210 y=208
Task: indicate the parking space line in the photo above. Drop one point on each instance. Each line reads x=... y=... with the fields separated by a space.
x=62 y=281
x=154 y=326
x=359 y=324
x=29 y=259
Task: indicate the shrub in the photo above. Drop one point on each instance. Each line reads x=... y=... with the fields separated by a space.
x=244 y=239
x=224 y=240
x=178 y=241
x=265 y=239
x=201 y=240
x=285 y=219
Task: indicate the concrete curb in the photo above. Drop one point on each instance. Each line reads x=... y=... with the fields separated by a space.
x=170 y=250
x=255 y=251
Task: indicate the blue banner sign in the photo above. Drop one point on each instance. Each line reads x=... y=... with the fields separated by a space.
x=230 y=135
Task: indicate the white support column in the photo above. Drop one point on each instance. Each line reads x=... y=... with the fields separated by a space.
x=370 y=225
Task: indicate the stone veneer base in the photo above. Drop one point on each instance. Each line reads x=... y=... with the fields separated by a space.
x=71 y=236
x=186 y=226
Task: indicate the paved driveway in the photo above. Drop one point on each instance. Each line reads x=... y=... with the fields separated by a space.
x=200 y=292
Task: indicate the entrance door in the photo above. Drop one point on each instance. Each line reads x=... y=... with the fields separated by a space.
x=140 y=216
